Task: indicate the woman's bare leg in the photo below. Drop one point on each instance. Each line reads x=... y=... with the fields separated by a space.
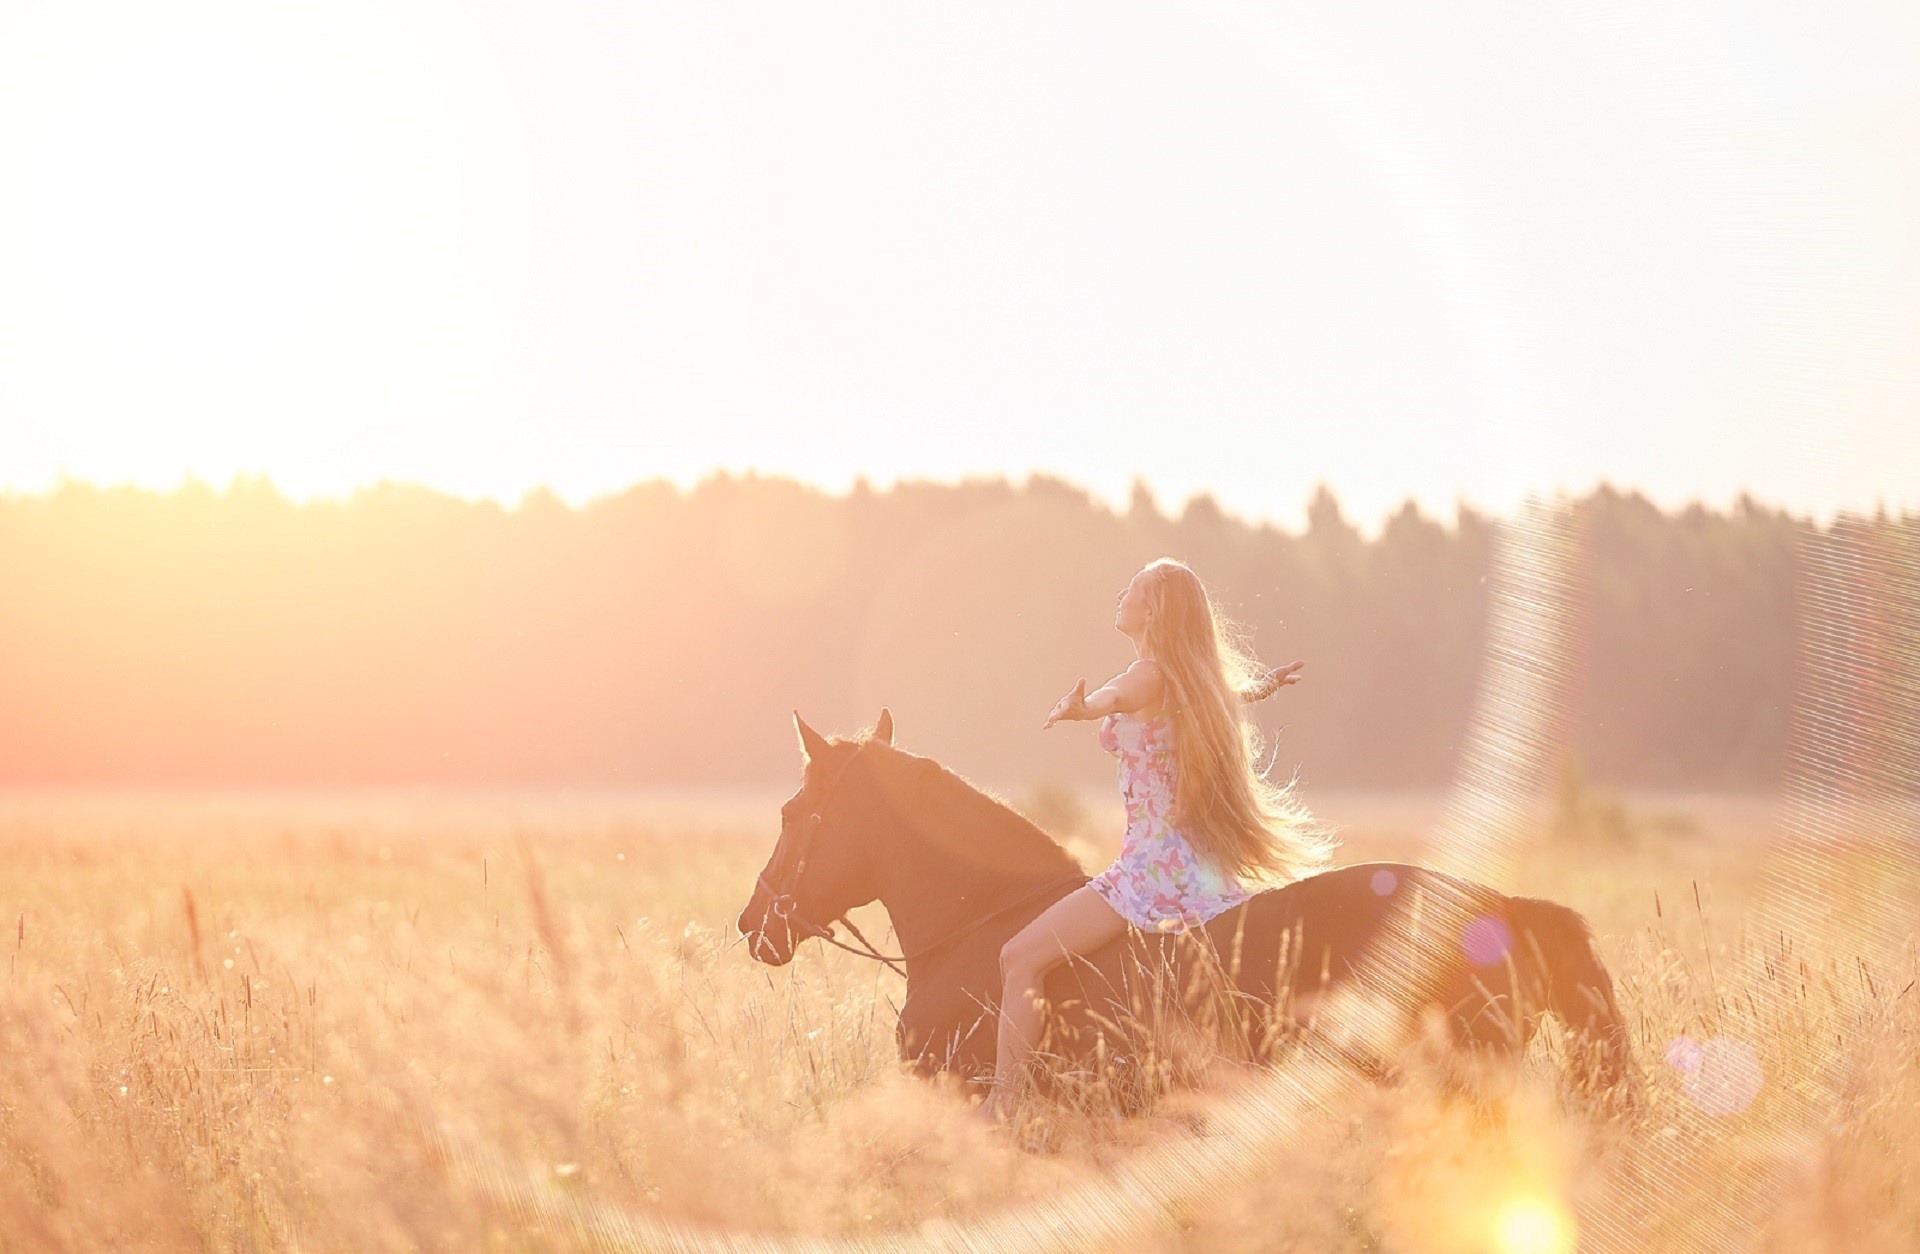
x=1078 y=923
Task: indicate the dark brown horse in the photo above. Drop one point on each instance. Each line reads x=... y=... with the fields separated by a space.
x=960 y=872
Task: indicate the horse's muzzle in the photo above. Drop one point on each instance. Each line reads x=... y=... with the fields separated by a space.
x=764 y=938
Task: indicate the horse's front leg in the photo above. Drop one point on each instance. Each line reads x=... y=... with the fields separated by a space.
x=946 y=1030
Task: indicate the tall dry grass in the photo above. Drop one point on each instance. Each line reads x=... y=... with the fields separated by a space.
x=466 y=1022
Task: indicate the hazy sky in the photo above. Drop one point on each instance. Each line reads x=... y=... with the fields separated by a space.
x=1440 y=251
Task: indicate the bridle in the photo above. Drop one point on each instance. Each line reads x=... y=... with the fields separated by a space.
x=784 y=907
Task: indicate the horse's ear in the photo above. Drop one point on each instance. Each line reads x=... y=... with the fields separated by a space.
x=812 y=743
x=883 y=730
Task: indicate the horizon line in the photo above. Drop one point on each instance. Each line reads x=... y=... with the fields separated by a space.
x=544 y=496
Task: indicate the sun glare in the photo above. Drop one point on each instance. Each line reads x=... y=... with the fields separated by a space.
x=195 y=203
x=282 y=239
x=1533 y=1226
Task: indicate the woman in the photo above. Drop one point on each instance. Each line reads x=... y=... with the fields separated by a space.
x=1200 y=816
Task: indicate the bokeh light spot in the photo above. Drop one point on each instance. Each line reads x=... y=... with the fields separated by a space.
x=1384 y=882
x=1683 y=1053
x=1485 y=940
x=1725 y=1077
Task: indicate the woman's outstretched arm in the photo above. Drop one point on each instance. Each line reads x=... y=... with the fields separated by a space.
x=1136 y=688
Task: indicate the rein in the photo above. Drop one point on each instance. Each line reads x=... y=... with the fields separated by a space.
x=784 y=906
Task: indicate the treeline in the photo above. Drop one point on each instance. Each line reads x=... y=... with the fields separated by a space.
x=662 y=636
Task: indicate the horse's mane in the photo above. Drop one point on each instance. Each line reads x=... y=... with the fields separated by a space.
x=967 y=810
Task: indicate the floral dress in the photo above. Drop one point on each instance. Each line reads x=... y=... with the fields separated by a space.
x=1159 y=881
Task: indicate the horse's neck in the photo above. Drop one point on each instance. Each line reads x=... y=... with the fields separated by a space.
x=968 y=860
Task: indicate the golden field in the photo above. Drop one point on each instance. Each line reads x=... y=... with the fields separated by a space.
x=506 y=1021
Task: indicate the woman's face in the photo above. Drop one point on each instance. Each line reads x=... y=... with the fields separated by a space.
x=1130 y=615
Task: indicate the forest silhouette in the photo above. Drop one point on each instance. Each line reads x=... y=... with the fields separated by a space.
x=661 y=636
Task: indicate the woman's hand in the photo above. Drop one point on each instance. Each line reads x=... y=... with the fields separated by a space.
x=1276 y=679
x=1071 y=706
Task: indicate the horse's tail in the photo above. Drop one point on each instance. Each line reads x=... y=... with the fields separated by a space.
x=1577 y=989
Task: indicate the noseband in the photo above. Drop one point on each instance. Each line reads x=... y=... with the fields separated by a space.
x=784 y=907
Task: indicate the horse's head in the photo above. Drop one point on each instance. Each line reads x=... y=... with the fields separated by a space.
x=823 y=864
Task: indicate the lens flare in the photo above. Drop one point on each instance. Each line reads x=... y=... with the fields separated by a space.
x=1485 y=940
x=1533 y=1226
x=1724 y=1076
x=1455 y=1185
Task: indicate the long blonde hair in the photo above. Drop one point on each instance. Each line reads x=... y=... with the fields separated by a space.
x=1230 y=812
